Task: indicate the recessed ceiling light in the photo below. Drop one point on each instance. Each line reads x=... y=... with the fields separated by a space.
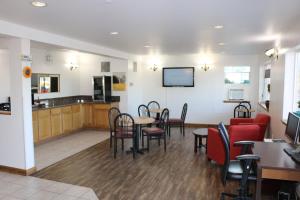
x=219 y=27
x=147 y=46
x=221 y=43
x=114 y=33
x=39 y=4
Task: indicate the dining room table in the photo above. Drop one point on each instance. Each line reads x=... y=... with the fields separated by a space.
x=139 y=122
x=158 y=112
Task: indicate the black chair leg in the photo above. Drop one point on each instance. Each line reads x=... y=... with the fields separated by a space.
x=122 y=144
x=110 y=141
x=165 y=143
x=148 y=139
x=142 y=140
x=158 y=141
x=183 y=128
x=134 y=147
x=115 y=147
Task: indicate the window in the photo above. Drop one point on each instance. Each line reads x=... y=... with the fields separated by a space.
x=237 y=74
x=291 y=95
x=45 y=83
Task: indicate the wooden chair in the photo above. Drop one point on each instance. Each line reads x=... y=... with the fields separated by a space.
x=112 y=114
x=124 y=129
x=173 y=122
x=157 y=133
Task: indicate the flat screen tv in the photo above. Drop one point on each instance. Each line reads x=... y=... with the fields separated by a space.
x=178 y=77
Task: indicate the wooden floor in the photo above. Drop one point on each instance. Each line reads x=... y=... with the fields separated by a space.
x=178 y=173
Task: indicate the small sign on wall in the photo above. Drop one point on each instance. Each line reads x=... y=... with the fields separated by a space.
x=27 y=72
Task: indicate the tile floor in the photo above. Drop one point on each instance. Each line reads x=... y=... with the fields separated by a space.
x=15 y=187
x=56 y=150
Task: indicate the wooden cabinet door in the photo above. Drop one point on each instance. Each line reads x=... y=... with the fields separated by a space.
x=100 y=115
x=76 y=111
x=56 y=121
x=87 y=115
x=67 y=119
x=44 y=123
x=35 y=126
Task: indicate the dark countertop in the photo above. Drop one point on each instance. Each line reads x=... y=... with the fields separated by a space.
x=44 y=107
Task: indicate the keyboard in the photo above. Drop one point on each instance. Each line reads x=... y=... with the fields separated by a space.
x=294 y=155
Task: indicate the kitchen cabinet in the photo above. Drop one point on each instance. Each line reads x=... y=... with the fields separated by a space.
x=100 y=116
x=67 y=119
x=87 y=115
x=35 y=126
x=52 y=122
x=77 y=123
x=56 y=122
x=44 y=123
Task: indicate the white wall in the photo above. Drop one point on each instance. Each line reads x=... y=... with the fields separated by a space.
x=90 y=65
x=69 y=80
x=4 y=75
x=205 y=100
x=16 y=138
x=276 y=98
x=80 y=81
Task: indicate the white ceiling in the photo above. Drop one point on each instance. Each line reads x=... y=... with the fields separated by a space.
x=170 y=26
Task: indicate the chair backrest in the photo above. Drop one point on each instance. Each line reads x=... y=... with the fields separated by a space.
x=246 y=103
x=223 y=134
x=164 y=118
x=184 y=111
x=124 y=124
x=153 y=105
x=143 y=111
x=240 y=114
x=112 y=114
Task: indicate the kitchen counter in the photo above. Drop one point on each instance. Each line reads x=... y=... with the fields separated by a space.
x=2 y=112
x=43 y=107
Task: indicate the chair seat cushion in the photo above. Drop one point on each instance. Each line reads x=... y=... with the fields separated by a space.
x=235 y=167
x=153 y=131
x=235 y=171
x=120 y=133
x=175 y=121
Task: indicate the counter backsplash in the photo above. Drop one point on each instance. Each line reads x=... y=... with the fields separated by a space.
x=70 y=100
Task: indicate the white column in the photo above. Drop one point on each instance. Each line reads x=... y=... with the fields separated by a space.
x=18 y=144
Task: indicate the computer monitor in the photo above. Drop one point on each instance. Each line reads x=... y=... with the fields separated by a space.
x=292 y=128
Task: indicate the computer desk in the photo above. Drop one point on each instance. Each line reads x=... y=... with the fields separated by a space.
x=274 y=164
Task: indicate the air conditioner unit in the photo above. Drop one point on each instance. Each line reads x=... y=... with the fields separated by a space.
x=236 y=94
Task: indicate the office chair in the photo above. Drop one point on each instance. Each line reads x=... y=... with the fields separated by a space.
x=240 y=169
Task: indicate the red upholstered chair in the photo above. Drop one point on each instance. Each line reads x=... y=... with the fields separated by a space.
x=262 y=120
x=235 y=133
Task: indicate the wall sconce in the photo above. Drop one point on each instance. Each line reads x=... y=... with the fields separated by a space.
x=72 y=66
x=154 y=67
x=272 y=53
x=205 y=67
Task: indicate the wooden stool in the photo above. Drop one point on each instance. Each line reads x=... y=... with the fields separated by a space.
x=199 y=134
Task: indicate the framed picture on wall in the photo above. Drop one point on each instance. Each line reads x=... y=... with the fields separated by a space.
x=119 y=81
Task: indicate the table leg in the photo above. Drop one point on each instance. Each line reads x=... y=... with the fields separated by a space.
x=137 y=146
x=195 y=144
x=200 y=142
x=258 y=184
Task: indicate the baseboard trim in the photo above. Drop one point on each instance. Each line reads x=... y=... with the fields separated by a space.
x=191 y=125
x=23 y=172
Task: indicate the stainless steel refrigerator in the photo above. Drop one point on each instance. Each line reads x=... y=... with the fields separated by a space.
x=102 y=88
